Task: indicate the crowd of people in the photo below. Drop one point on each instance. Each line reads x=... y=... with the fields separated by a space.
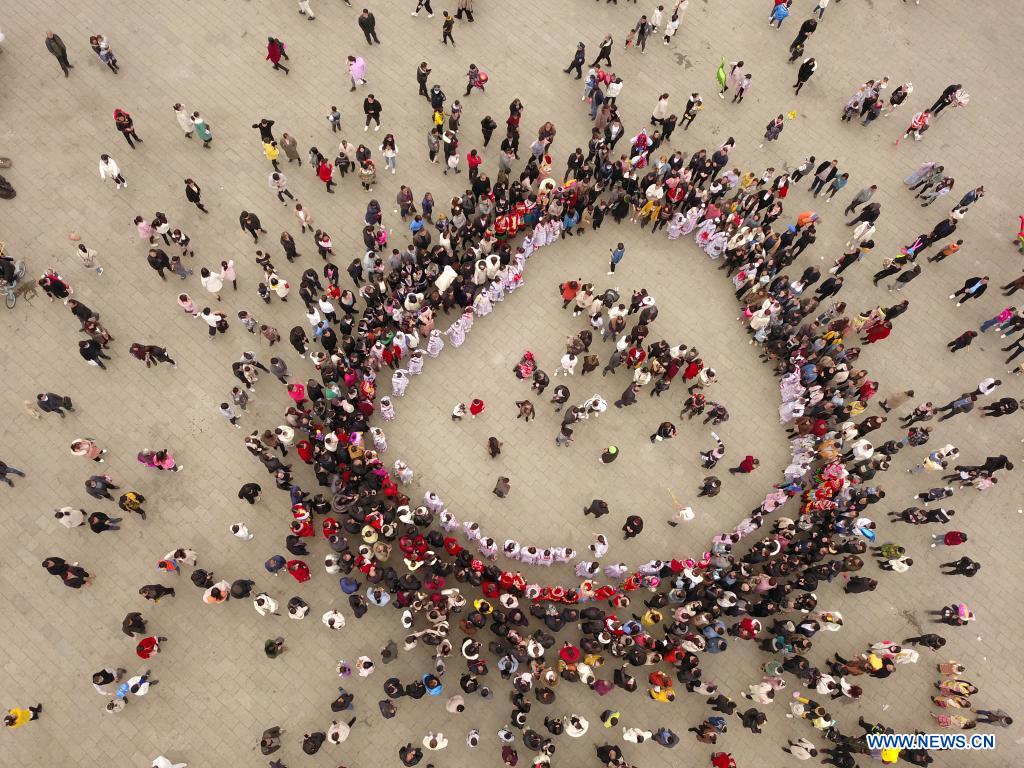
x=636 y=627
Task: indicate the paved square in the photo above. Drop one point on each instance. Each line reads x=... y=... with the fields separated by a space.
x=217 y=690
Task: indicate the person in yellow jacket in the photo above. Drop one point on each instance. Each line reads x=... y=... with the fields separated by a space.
x=15 y=718
x=664 y=695
x=272 y=152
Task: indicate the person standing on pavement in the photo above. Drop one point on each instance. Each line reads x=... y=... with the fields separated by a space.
x=446 y=29
x=184 y=120
x=58 y=50
x=126 y=126
x=109 y=168
x=368 y=23
x=372 y=110
x=617 y=253
x=804 y=73
x=422 y=73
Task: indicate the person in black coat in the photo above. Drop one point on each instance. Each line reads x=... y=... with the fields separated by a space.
x=577 y=61
x=802 y=76
x=368 y=23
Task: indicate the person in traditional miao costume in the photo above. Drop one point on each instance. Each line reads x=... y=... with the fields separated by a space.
x=675 y=225
x=482 y=303
x=399 y=382
x=435 y=343
x=456 y=333
x=416 y=363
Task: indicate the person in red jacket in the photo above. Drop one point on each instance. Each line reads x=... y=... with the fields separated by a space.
x=748 y=465
x=476 y=407
x=299 y=570
x=275 y=52
x=878 y=332
x=949 y=538
x=148 y=646
x=326 y=173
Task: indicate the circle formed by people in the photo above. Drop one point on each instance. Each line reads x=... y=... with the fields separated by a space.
x=553 y=380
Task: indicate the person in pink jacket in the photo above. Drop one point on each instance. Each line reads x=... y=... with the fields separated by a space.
x=161 y=459
x=357 y=70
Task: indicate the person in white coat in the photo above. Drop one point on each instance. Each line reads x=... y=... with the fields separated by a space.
x=333 y=620
x=265 y=604
x=108 y=168
x=184 y=120
x=162 y=762
x=435 y=741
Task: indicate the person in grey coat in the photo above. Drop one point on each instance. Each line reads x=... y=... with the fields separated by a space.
x=60 y=52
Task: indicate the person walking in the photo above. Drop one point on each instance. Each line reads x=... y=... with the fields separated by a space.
x=918 y=125
x=275 y=52
x=357 y=73
x=250 y=223
x=973 y=288
x=860 y=198
x=5 y=470
x=16 y=717
x=49 y=402
x=194 y=194
x=748 y=465
x=59 y=51
x=962 y=341
x=823 y=174
x=578 y=59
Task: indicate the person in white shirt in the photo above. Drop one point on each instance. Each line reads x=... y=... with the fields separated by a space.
x=801 y=749
x=241 y=531
x=109 y=168
x=338 y=732
x=70 y=517
x=333 y=620
x=162 y=762
x=567 y=366
x=435 y=741
x=265 y=604
x=278 y=182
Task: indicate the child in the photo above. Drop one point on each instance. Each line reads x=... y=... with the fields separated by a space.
x=334 y=118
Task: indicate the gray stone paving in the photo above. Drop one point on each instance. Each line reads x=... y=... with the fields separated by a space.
x=218 y=691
